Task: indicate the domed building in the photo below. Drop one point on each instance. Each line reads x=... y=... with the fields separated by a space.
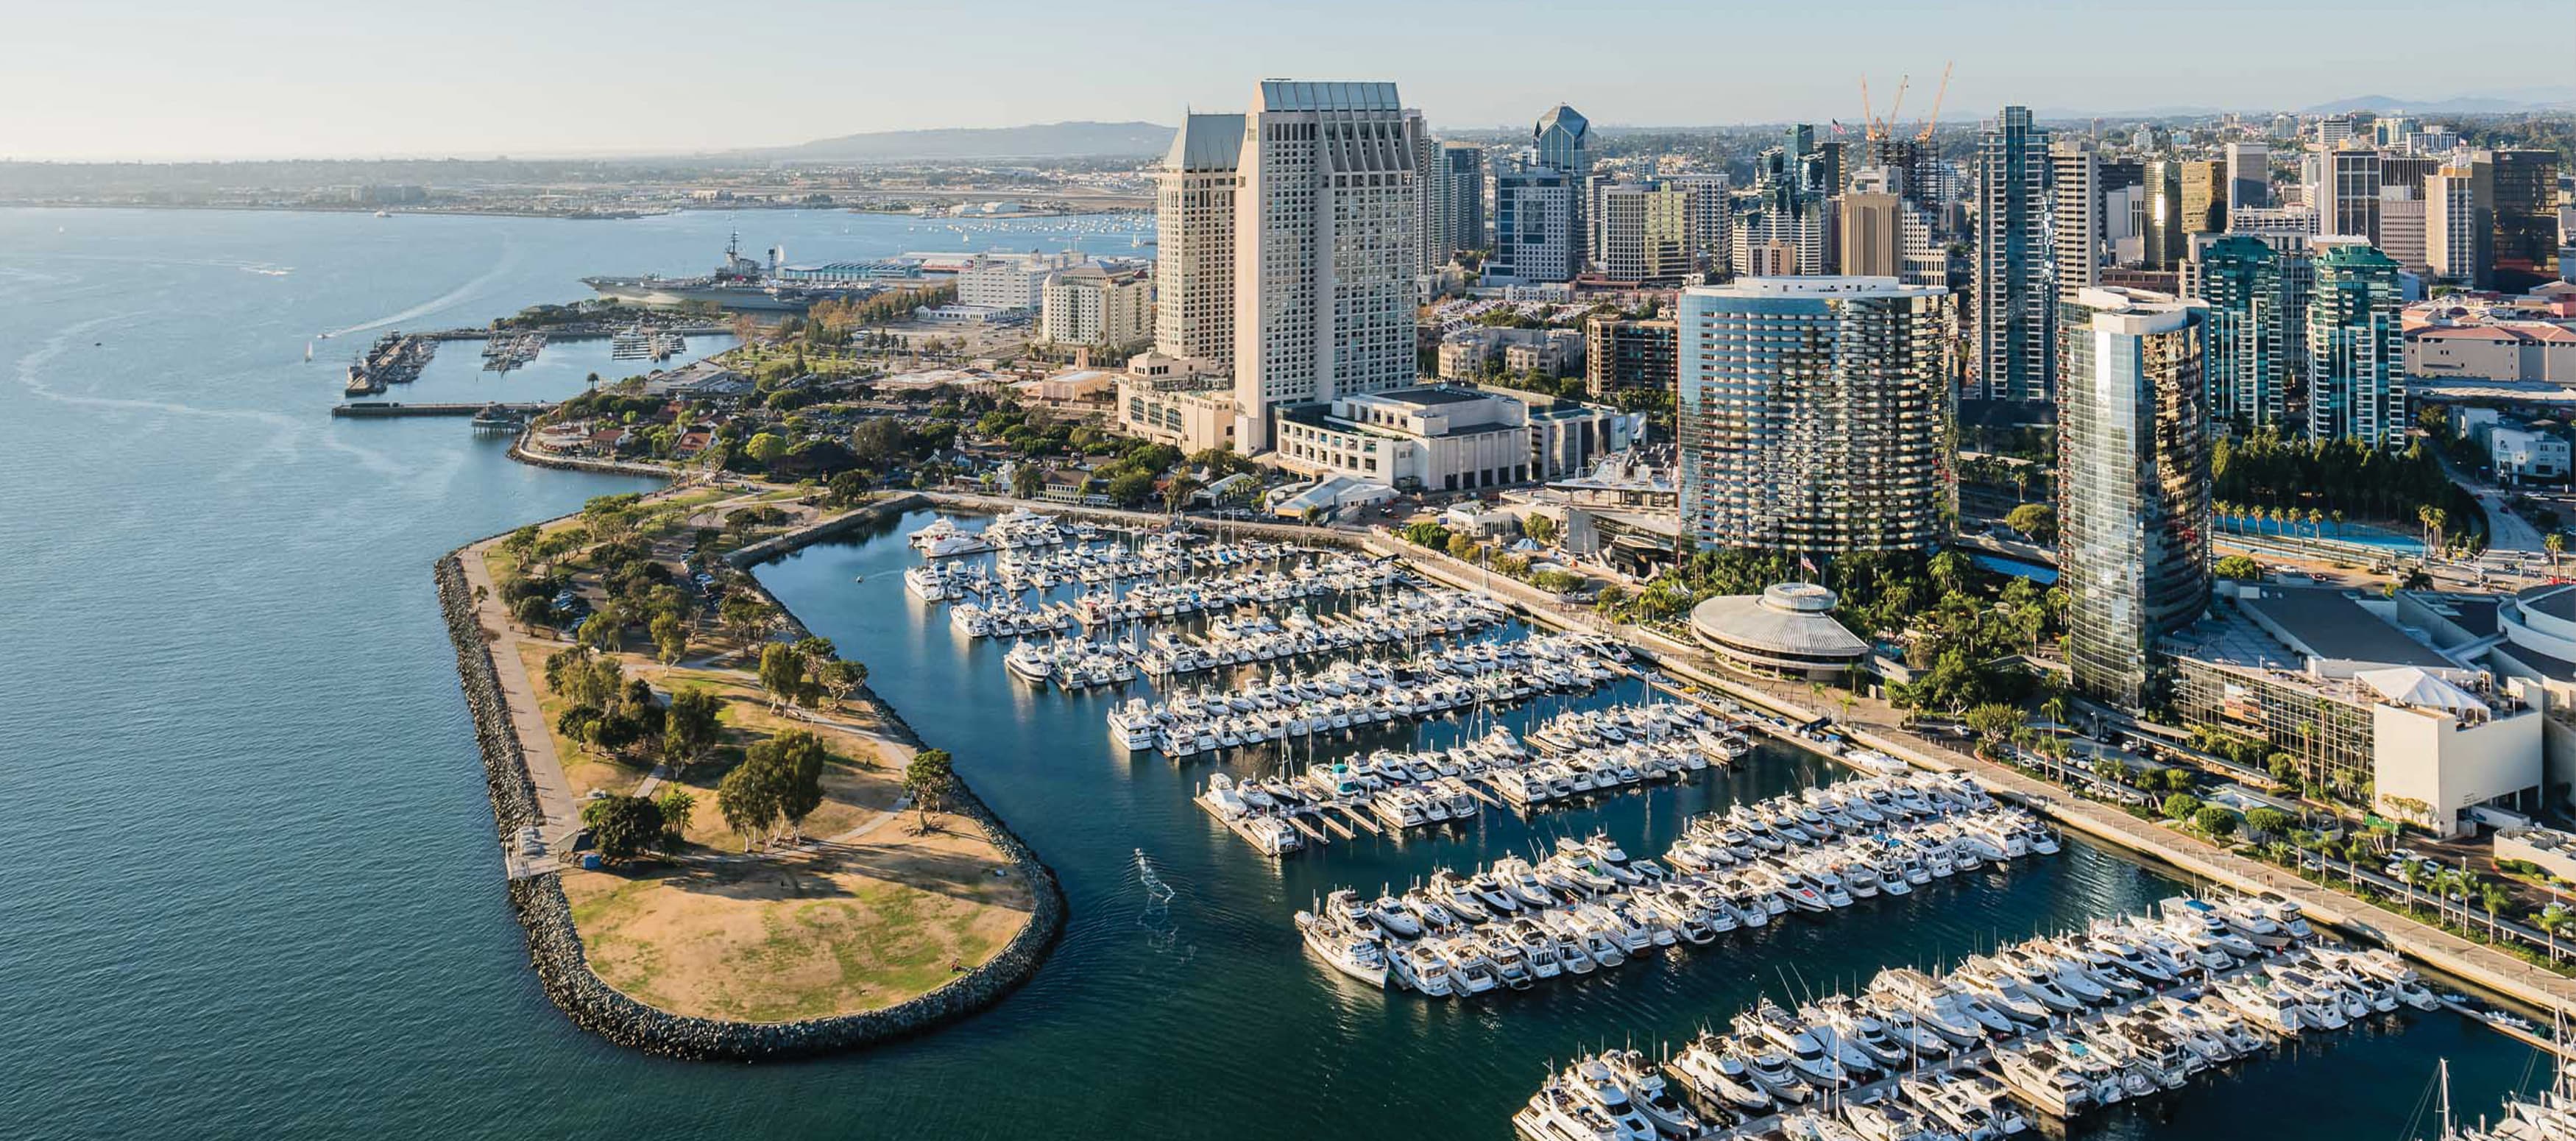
x=1787 y=630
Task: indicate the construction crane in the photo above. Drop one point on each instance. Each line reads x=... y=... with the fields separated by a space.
x=1874 y=128
x=1934 y=119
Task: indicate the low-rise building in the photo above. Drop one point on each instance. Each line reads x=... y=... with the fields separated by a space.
x=1169 y=400
x=2527 y=453
x=1787 y=630
x=1472 y=353
x=1446 y=439
x=1008 y=281
x=2330 y=678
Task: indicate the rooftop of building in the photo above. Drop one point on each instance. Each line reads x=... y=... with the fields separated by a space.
x=2331 y=623
x=1787 y=618
x=1211 y=143
x=1816 y=285
x=1429 y=396
x=1305 y=95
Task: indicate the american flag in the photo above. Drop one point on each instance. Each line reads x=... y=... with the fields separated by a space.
x=1838 y=126
x=1806 y=564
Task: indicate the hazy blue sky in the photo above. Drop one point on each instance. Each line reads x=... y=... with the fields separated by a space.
x=239 y=78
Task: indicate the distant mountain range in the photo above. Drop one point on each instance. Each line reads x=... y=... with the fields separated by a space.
x=1038 y=140
x=2484 y=103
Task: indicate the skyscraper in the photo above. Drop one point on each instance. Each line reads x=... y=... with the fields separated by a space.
x=2257 y=322
x=2076 y=224
x=2164 y=245
x=1194 y=240
x=1563 y=140
x=2522 y=189
x=2458 y=225
x=2249 y=175
x=1327 y=240
x=1645 y=230
x=1712 y=210
x=2204 y=198
x=1533 y=225
x=2355 y=348
x=1811 y=413
x=2016 y=299
x=2133 y=484
x=1461 y=189
x=2352 y=181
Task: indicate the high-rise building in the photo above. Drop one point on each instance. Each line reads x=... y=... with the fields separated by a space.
x=1645 y=232
x=2204 y=198
x=1772 y=242
x=1563 y=140
x=2249 y=175
x=2402 y=219
x=2133 y=484
x=1811 y=413
x=2352 y=187
x=1629 y=355
x=2458 y=226
x=1712 y=210
x=2356 y=348
x=2522 y=187
x=2257 y=323
x=1461 y=194
x=1533 y=225
x=1088 y=304
x=1194 y=240
x=2016 y=297
x=2164 y=246
x=1327 y=243
x=2077 y=227
x=1431 y=248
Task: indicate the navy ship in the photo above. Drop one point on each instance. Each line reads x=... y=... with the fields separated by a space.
x=739 y=283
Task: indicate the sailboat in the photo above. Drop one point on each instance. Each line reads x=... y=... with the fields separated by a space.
x=308 y=352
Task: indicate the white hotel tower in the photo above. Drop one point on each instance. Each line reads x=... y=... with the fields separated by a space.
x=1327 y=244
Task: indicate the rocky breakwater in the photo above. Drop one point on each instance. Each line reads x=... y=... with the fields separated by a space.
x=554 y=945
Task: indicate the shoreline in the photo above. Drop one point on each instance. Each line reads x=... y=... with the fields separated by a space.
x=555 y=948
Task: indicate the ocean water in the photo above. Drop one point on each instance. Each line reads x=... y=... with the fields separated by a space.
x=256 y=891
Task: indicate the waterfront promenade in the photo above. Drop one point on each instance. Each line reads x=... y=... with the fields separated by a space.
x=1880 y=726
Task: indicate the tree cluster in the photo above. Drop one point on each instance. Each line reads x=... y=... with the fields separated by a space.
x=778 y=784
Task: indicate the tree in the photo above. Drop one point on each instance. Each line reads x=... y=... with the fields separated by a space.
x=676 y=804
x=1177 y=493
x=1027 y=479
x=748 y=801
x=766 y=449
x=2214 y=822
x=689 y=726
x=2268 y=821
x=2036 y=520
x=782 y=674
x=2494 y=898
x=1131 y=488
x=532 y=610
x=1540 y=528
x=1994 y=720
x=743 y=614
x=1462 y=548
x=670 y=638
x=604 y=628
x=522 y=543
x=928 y=780
x=2555 y=543
x=622 y=827
x=2239 y=568
x=2181 y=806
x=840 y=679
x=792 y=764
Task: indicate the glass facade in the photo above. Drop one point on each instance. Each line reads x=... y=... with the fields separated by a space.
x=2257 y=322
x=2133 y=483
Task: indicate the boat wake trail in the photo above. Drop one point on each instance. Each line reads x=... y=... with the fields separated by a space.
x=1162 y=932
x=509 y=259
x=289 y=432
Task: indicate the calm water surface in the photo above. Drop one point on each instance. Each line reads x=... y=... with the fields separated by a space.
x=257 y=893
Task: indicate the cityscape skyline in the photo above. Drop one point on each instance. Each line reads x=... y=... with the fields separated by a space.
x=166 y=83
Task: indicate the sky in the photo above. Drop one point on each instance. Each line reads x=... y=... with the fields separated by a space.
x=187 y=79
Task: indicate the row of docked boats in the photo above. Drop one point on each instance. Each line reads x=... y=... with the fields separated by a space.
x=1356 y=694
x=1403 y=790
x=1397 y=621
x=1108 y=564
x=2123 y=1009
x=1516 y=922
x=1018 y=529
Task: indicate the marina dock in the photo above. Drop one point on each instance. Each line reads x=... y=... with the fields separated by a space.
x=378 y=410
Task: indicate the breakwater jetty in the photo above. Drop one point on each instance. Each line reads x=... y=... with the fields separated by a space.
x=366 y=410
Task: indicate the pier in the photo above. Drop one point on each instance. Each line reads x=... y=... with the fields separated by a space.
x=363 y=410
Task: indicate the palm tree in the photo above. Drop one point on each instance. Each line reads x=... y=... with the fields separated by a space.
x=2555 y=543
x=2411 y=874
x=2337 y=516
x=2493 y=897
x=2316 y=523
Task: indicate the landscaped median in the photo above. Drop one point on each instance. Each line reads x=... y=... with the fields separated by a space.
x=774 y=868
